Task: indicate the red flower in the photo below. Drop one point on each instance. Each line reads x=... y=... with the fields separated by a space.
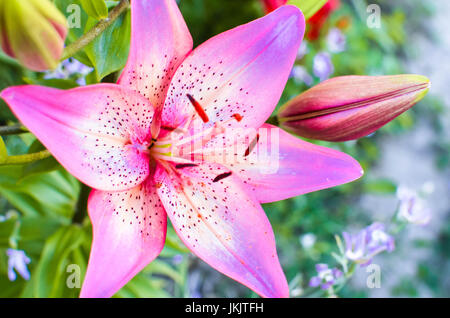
x=270 y=5
x=317 y=21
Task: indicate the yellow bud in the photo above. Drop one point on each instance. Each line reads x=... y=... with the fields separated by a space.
x=33 y=32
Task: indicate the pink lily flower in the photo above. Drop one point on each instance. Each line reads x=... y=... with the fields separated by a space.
x=128 y=142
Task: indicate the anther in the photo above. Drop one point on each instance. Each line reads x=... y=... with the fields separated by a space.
x=252 y=145
x=185 y=165
x=238 y=117
x=168 y=128
x=222 y=176
x=198 y=108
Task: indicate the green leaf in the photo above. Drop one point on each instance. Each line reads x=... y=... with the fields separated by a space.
x=308 y=7
x=3 y=151
x=11 y=74
x=40 y=166
x=9 y=289
x=108 y=53
x=162 y=268
x=340 y=244
x=381 y=186
x=51 y=194
x=7 y=228
x=34 y=231
x=95 y=8
x=143 y=286
x=173 y=245
x=53 y=82
x=50 y=275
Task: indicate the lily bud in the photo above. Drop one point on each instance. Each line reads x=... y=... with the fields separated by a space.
x=351 y=107
x=33 y=32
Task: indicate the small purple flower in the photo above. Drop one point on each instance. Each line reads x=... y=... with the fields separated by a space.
x=303 y=50
x=196 y=294
x=69 y=68
x=336 y=41
x=301 y=75
x=322 y=66
x=17 y=262
x=177 y=259
x=412 y=208
x=326 y=277
x=363 y=246
x=74 y=66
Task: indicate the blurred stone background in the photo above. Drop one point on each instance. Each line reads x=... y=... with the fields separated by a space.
x=410 y=159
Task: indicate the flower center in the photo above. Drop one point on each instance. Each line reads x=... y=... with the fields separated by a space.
x=183 y=144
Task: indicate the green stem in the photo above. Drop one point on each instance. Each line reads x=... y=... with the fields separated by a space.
x=98 y=29
x=347 y=278
x=14 y=237
x=22 y=159
x=81 y=207
x=12 y=130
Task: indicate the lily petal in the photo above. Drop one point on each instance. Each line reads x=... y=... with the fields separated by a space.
x=92 y=131
x=243 y=71
x=160 y=40
x=129 y=231
x=223 y=224
x=281 y=166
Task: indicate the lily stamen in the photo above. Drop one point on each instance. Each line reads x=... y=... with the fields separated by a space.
x=251 y=146
x=198 y=108
x=222 y=176
x=208 y=134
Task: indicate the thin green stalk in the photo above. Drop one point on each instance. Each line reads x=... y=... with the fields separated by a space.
x=12 y=130
x=98 y=29
x=22 y=159
x=81 y=207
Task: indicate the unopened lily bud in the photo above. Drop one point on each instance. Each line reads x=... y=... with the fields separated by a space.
x=33 y=32
x=351 y=107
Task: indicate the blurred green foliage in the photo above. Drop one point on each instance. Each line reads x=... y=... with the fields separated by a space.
x=45 y=207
